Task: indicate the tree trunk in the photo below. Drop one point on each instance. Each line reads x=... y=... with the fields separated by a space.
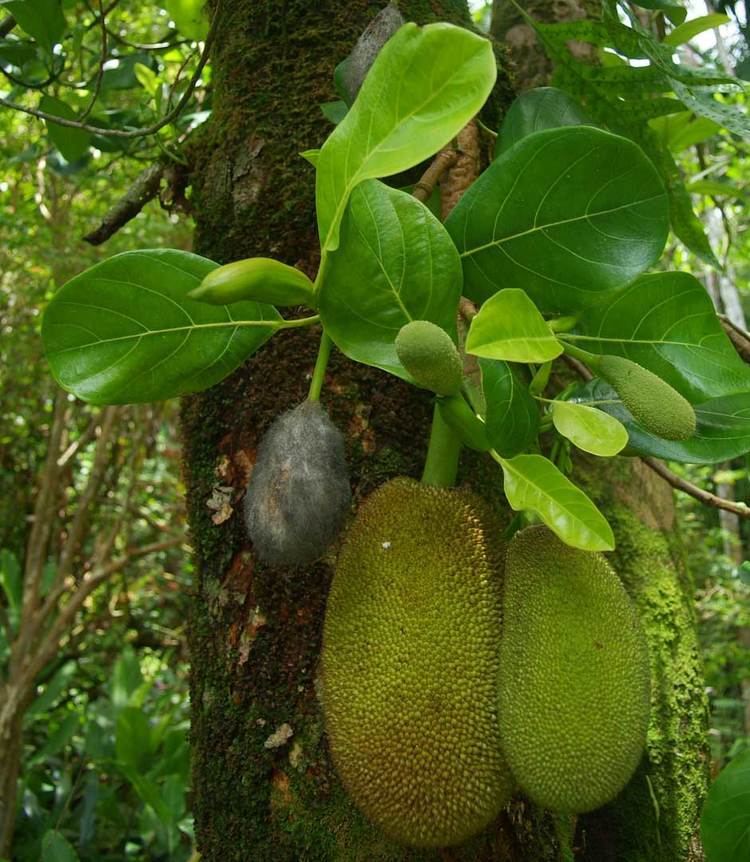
x=255 y=632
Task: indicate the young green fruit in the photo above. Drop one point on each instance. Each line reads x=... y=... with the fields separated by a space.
x=256 y=279
x=652 y=401
x=299 y=492
x=574 y=675
x=428 y=353
x=410 y=664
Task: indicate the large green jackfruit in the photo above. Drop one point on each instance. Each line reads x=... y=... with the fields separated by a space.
x=574 y=675
x=410 y=664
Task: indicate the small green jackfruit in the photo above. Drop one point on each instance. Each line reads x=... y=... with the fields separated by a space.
x=410 y=664
x=652 y=401
x=428 y=353
x=574 y=675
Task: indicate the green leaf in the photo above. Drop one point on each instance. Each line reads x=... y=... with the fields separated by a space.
x=722 y=433
x=133 y=740
x=725 y=822
x=702 y=101
x=43 y=20
x=589 y=429
x=334 y=112
x=57 y=848
x=565 y=215
x=72 y=143
x=58 y=739
x=509 y=326
x=512 y=415
x=675 y=13
x=395 y=263
x=147 y=78
x=59 y=683
x=537 y=110
x=124 y=331
x=682 y=130
x=189 y=16
x=715 y=188
x=126 y=678
x=666 y=323
x=424 y=86
x=533 y=483
x=690 y=29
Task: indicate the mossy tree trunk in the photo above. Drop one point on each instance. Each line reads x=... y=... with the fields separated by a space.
x=263 y=784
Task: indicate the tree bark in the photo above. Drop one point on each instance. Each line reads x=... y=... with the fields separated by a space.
x=255 y=632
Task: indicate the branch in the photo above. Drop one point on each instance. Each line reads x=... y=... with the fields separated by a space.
x=705 y=497
x=145 y=187
x=739 y=338
x=442 y=162
x=6 y=25
x=131 y=133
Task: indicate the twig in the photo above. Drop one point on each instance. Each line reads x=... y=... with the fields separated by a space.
x=100 y=71
x=145 y=187
x=578 y=367
x=739 y=338
x=131 y=133
x=442 y=162
x=705 y=497
x=6 y=25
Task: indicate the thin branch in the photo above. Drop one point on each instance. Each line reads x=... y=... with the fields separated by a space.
x=131 y=133
x=705 y=497
x=442 y=162
x=6 y=25
x=102 y=60
x=739 y=338
x=145 y=187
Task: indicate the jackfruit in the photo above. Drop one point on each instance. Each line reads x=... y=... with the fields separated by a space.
x=652 y=401
x=409 y=664
x=574 y=675
x=428 y=353
x=299 y=493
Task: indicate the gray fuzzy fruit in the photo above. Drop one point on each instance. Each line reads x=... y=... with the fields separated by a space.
x=299 y=492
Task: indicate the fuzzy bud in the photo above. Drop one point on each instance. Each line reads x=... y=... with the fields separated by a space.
x=299 y=491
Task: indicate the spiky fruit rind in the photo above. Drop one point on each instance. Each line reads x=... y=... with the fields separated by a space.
x=410 y=664
x=574 y=675
x=653 y=402
x=428 y=353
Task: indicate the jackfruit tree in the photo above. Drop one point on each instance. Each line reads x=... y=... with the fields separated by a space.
x=461 y=276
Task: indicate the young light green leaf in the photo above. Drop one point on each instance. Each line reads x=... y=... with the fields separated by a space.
x=589 y=429
x=424 y=86
x=536 y=110
x=566 y=214
x=510 y=327
x=690 y=29
x=725 y=822
x=257 y=279
x=722 y=433
x=189 y=16
x=395 y=263
x=72 y=143
x=125 y=331
x=533 y=483
x=512 y=415
x=666 y=323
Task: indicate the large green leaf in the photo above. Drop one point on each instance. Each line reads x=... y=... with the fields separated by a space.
x=533 y=483
x=723 y=427
x=536 y=110
x=395 y=263
x=589 y=429
x=725 y=822
x=512 y=416
x=666 y=322
x=510 y=327
x=124 y=331
x=424 y=86
x=690 y=29
x=565 y=214
x=189 y=16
